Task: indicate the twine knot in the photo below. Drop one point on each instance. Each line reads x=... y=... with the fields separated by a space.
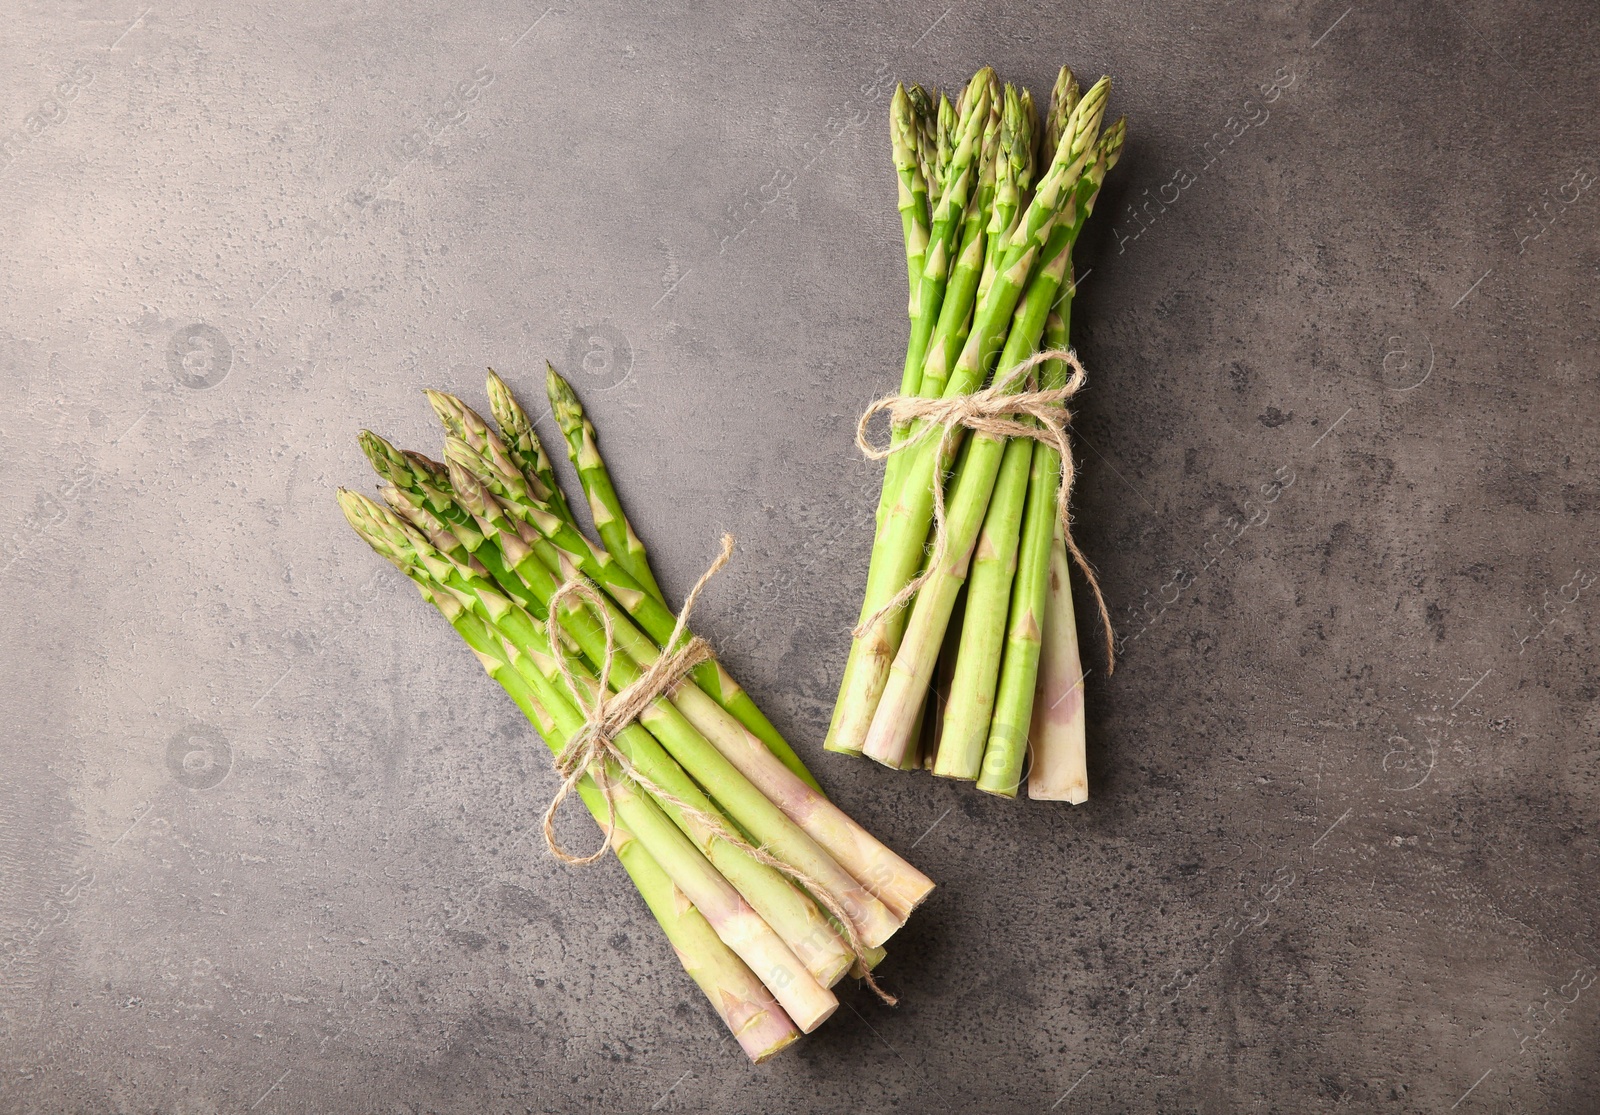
x=607 y=713
x=1001 y=412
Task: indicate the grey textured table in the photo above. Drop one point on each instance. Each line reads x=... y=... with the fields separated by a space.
x=268 y=837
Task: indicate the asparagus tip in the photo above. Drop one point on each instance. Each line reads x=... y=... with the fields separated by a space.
x=448 y=408
x=563 y=399
x=1111 y=142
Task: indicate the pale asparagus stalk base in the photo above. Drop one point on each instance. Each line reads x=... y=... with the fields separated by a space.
x=1058 y=736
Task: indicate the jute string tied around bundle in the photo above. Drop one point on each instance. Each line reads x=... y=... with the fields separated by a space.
x=1000 y=412
x=592 y=750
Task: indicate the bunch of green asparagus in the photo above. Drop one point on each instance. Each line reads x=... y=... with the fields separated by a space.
x=980 y=666
x=731 y=818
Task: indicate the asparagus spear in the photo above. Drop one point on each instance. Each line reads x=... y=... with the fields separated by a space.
x=955 y=293
x=898 y=548
x=1013 y=185
x=946 y=125
x=1011 y=171
x=952 y=294
x=523 y=444
x=1007 y=745
x=1064 y=97
x=616 y=533
x=966 y=150
x=1060 y=770
x=926 y=115
x=737 y=923
x=1057 y=736
x=994 y=564
x=915 y=220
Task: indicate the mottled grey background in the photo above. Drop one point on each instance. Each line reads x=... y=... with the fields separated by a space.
x=268 y=835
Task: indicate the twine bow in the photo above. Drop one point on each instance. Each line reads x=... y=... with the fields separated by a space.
x=592 y=750
x=998 y=411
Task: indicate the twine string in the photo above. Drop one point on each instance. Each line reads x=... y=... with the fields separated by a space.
x=1001 y=412
x=592 y=750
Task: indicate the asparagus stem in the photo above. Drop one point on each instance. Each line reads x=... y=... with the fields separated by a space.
x=523 y=444
x=943 y=679
x=898 y=547
x=1013 y=705
x=977 y=667
x=610 y=521
x=1057 y=737
x=1060 y=770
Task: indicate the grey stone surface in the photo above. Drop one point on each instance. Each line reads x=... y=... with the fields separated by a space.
x=268 y=837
